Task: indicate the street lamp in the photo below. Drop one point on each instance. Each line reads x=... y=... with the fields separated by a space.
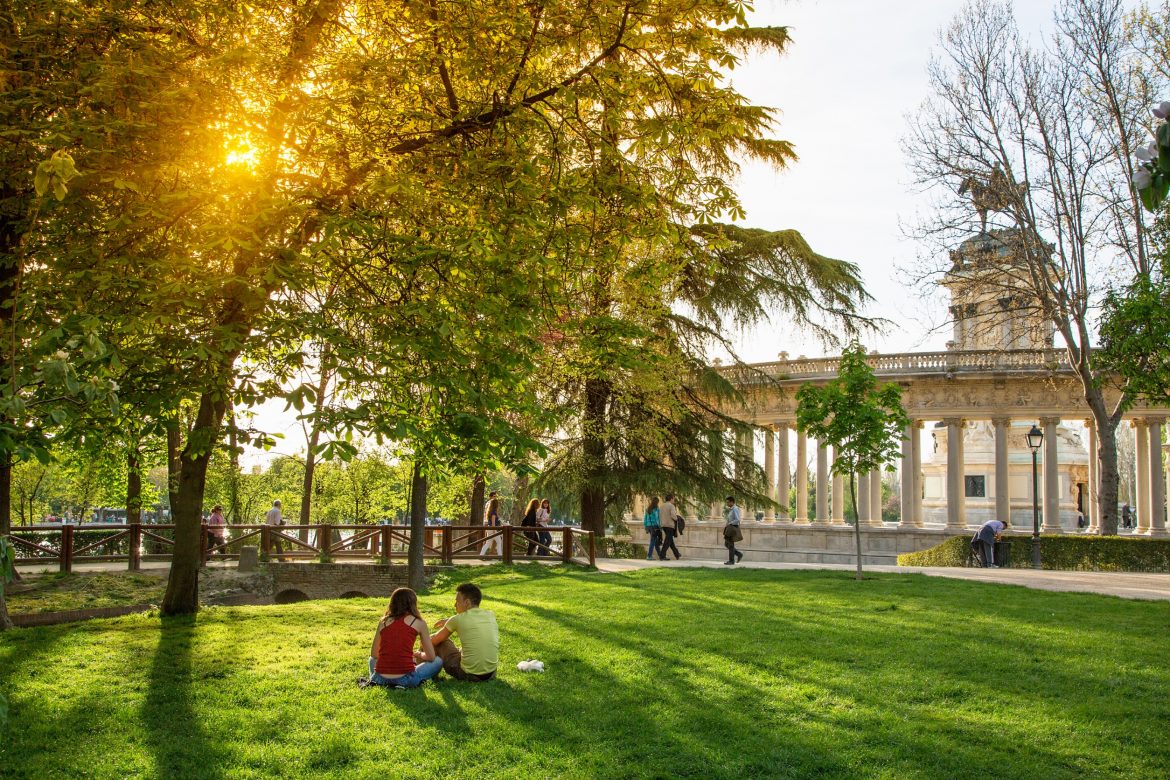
x=1035 y=438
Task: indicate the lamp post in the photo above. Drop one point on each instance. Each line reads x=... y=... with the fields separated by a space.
x=1035 y=439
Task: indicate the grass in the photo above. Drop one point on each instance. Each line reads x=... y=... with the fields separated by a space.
x=659 y=673
x=59 y=591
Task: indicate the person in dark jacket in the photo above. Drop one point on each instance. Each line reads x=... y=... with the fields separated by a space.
x=529 y=521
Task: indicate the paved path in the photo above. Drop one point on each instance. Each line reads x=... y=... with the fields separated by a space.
x=1155 y=587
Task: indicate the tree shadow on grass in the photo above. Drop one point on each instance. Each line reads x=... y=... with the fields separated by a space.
x=175 y=735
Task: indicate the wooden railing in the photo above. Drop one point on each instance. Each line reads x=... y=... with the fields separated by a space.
x=914 y=363
x=134 y=543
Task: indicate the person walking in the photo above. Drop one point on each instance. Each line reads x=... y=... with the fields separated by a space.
x=652 y=522
x=732 y=533
x=216 y=530
x=543 y=518
x=984 y=541
x=529 y=521
x=669 y=517
x=275 y=519
x=491 y=519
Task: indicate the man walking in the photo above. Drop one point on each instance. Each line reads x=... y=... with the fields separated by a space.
x=669 y=520
x=731 y=533
x=276 y=519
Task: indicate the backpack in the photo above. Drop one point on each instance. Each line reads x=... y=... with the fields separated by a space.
x=650 y=520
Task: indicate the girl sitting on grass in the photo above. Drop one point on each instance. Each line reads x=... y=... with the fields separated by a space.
x=392 y=656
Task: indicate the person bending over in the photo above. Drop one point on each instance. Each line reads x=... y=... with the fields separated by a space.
x=984 y=541
x=478 y=634
x=392 y=656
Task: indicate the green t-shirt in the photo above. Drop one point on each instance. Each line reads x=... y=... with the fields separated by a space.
x=479 y=639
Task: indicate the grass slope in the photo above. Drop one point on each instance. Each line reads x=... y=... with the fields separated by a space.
x=659 y=673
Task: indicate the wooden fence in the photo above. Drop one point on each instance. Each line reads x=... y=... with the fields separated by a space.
x=138 y=542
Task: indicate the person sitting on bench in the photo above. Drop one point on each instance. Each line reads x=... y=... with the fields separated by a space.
x=478 y=634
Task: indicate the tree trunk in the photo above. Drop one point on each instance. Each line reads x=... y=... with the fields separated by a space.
x=234 y=459
x=477 y=499
x=311 y=454
x=5 y=498
x=1109 y=479
x=5 y=621
x=418 y=513
x=856 y=521
x=182 y=596
x=174 y=462
x=133 y=487
x=520 y=491
x=597 y=392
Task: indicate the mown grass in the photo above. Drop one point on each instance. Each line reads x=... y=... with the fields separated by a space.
x=57 y=592
x=659 y=673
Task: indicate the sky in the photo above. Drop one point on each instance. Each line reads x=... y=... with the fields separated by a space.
x=855 y=70
x=853 y=73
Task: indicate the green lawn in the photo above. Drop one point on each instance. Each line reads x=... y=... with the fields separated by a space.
x=58 y=592
x=660 y=673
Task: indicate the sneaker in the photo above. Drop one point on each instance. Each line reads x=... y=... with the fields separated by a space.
x=729 y=563
x=738 y=557
x=363 y=682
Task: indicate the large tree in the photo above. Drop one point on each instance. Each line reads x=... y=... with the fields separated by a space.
x=1045 y=140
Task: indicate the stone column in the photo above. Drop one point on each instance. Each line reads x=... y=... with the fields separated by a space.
x=1003 y=497
x=716 y=443
x=863 y=505
x=770 y=471
x=838 y=507
x=956 y=490
x=1143 y=476
x=745 y=459
x=875 y=497
x=1157 y=479
x=822 y=497
x=801 y=478
x=908 y=476
x=1091 y=511
x=916 y=465
x=782 y=481
x=1051 y=516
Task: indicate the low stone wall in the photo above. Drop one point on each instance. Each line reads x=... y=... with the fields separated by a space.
x=300 y=581
x=791 y=543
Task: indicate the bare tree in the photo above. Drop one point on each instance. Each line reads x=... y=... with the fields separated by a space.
x=1041 y=140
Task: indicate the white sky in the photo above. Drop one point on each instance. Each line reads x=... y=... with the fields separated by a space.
x=855 y=70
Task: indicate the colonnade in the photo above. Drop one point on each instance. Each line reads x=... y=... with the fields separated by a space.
x=1153 y=481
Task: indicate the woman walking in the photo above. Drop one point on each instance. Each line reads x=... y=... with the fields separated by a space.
x=392 y=655
x=491 y=519
x=529 y=521
x=653 y=526
x=543 y=518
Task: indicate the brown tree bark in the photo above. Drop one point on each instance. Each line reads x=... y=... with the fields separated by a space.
x=477 y=500
x=597 y=392
x=418 y=512
x=182 y=596
x=234 y=459
x=174 y=462
x=5 y=497
x=311 y=454
x=133 y=487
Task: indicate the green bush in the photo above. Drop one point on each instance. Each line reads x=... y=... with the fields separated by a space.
x=1065 y=553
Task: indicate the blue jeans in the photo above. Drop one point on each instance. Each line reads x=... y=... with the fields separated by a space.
x=423 y=672
x=655 y=543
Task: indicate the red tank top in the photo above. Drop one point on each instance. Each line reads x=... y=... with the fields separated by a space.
x=396 y=650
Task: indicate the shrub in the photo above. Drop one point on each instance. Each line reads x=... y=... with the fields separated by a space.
x=1066 y=553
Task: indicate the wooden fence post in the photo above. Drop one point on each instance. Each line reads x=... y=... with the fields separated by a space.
x=265 y=541
x=508 y=544
x=135 y=546
x=566 y=545
x=67 y=548
x=387 y=538
x=592 y=551
x=446 y=555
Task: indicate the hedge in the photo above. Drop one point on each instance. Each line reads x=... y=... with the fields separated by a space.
x=1065 y=553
